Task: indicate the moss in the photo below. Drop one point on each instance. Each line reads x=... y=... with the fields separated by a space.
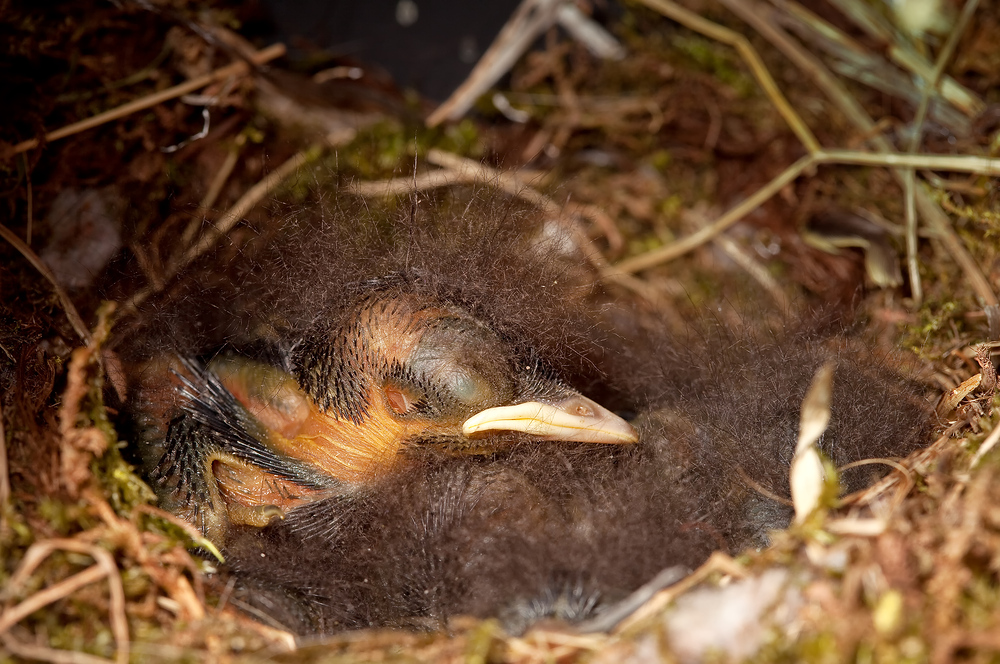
x=387 y=149
x=933 y=318
x=718 y=60
x=484 y=642
x=980 y=602
x=65 y=518
x=660 y=160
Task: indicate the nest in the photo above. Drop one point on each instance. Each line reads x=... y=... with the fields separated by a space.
x=702 y=156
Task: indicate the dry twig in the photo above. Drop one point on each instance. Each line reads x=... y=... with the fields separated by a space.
x=225 y=223
x=766 y=25
x=529 y=21
x=917 y=129
x=235 y=69
x=105 y=567
x=718 y=563
x=67 y=304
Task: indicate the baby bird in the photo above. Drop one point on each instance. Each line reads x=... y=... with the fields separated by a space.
x=382 y=441
x=245 y=441
x=566 y=531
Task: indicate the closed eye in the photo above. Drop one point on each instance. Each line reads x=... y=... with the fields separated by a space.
x=467 y=387
x=401 y=400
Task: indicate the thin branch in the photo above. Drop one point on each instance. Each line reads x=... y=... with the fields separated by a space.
x=762 y=20
x=680 y=247
x=44 y=654
x=105 y=567
x=67 y=304
x=235 y=69
x=225 y=223
x=715 y=31
x=917 y=134
x=531 y=19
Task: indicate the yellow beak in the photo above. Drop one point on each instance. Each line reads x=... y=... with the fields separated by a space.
x=576 y=418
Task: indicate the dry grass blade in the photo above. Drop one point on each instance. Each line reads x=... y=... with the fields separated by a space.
x=988 y=166
x=225 y=223
x=761 y=489
x=71 y=313
x=871 y=68
x=856 y=527
x=531 y=19
x=902 y=52
x=986 y=446
x=868 y=496
x=235 y=69
x=757 y=271
x=609 y=619
x=742 y=45
x=405 y=185
x=762 y=21
x=718 y=563
x=105 y=567
x=541 y=645
x=218 y=182
x=43 y=654
x=675 y=249
x=917 y=129
x=4 y=477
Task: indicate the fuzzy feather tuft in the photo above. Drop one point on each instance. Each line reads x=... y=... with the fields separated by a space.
x=538 y=530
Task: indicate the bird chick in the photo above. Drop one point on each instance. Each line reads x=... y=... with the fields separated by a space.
x=245 y=441
x=365 y=450
x=565 y=531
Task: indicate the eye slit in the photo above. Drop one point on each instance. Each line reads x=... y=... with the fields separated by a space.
x=467 y=387
x=399 y=400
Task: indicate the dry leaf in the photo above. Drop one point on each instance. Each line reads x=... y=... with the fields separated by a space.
x=806 y=475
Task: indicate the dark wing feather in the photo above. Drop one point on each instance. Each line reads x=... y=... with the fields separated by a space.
x=213 y=417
